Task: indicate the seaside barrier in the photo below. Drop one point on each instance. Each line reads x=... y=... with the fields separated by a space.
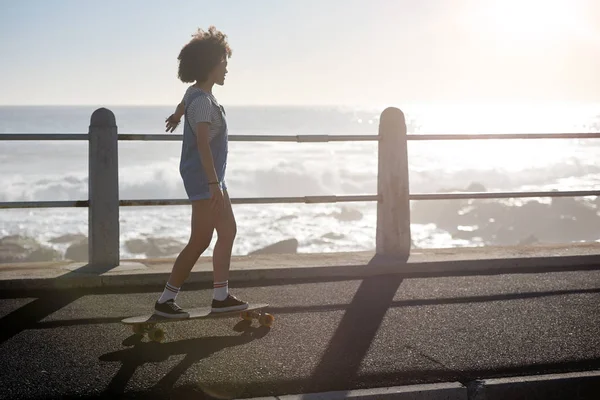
x=393 y=236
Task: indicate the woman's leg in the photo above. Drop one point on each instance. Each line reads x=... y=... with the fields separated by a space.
x=226 y=230
x=203 y=224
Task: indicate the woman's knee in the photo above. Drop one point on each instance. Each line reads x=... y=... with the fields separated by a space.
x=198 y=243
x=227 y=231
x=202 y=225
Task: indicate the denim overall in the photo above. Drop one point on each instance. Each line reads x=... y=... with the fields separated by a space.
x=191 y=169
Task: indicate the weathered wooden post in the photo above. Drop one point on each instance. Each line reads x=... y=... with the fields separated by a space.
x=393 y=209
x=103 y=221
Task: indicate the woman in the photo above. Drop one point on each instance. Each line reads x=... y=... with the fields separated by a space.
x=203 y=162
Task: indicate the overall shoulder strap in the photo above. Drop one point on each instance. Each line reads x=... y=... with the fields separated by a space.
x=189 y=101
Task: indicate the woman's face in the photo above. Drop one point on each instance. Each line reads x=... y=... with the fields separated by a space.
x=219 y=73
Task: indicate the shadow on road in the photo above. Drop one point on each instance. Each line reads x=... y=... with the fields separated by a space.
x=338 y=368
x=356 y=331
x=151 y=352
x=27 y=316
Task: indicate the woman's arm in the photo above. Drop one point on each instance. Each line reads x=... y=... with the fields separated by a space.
x=180 y=110
x=203 y=143
x=174 y=119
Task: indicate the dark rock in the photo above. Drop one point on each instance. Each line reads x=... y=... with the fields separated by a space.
x=282 y=247
x=155 y=247
x=333 y=236
x=287 y=217
x=348 y=214
x=78 y=251
x=136 y=246
x=444 y=213
x=475 y=187
x=44 y=254
x=565 y=220
x=17 y=248
x=164 y=247
x=68 y=238
x=528 y=241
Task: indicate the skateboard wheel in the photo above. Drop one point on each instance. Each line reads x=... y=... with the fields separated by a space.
x=138 y=329
x=156 y=335
x=266 y=320
x=247 y=316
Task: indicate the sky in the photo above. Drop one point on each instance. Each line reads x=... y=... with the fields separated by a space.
x=304 y=52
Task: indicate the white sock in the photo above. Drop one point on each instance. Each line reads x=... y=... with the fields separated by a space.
x=221 y=290
x=169 y=293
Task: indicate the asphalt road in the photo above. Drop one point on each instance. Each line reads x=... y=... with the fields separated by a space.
x=328 y=335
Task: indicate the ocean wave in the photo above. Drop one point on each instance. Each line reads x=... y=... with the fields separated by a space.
x=49 y=171
x=289 y=178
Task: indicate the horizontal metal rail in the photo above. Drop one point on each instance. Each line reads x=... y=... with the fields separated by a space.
x=177 y=202
x=303 y=138
x=171 y=137
x=259 y=200
x=506 y=136
x=44 y=204
x=501 y=195
x=262 y=138
x=309 y=199
x=44 y=136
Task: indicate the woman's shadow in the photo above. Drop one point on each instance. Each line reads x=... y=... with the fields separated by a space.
x=152 y=352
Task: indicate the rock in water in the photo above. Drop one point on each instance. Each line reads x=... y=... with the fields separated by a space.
x=78 y=251
x=475 y=187
x=155 y=247
x=349 y=214
x=136 y=246
x=333 y=236
x=528 y=241
x=68 y=238
x=164 y=247
x=283 y=247
x=44 y=254
x=16 y=248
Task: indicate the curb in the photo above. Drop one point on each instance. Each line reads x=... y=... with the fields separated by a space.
x=434 y=391
x=146 y=277
x=575 y=385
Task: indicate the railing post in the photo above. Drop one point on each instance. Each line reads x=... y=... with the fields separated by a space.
x=393 y=209
x=103 y=219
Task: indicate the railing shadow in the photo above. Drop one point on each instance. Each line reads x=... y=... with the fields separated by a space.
x=339 y=364
x=29 y=316
x=356 y=331
x=151 y=352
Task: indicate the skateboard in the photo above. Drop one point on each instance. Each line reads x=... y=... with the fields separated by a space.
x=147 y=324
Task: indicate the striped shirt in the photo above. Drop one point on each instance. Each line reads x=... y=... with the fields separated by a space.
x=204 y=109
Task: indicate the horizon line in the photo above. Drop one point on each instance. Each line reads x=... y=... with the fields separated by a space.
x=408 y=104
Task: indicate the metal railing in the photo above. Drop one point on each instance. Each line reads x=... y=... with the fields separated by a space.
x=393 y=196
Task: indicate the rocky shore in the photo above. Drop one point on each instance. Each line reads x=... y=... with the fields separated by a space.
x=511 y=223
x=16 y=248
x=480 y=222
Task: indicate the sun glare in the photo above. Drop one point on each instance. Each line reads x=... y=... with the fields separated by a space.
x=539 y=20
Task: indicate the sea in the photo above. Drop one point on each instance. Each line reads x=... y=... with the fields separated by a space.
x=57 y=170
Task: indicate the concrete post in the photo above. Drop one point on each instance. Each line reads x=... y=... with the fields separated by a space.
x=103 y=190
x=393 y=209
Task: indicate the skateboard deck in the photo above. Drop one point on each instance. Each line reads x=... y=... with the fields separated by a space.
x=146 y=324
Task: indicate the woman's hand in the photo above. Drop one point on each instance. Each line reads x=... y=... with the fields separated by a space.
x=217 y=201
x=172 y=122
